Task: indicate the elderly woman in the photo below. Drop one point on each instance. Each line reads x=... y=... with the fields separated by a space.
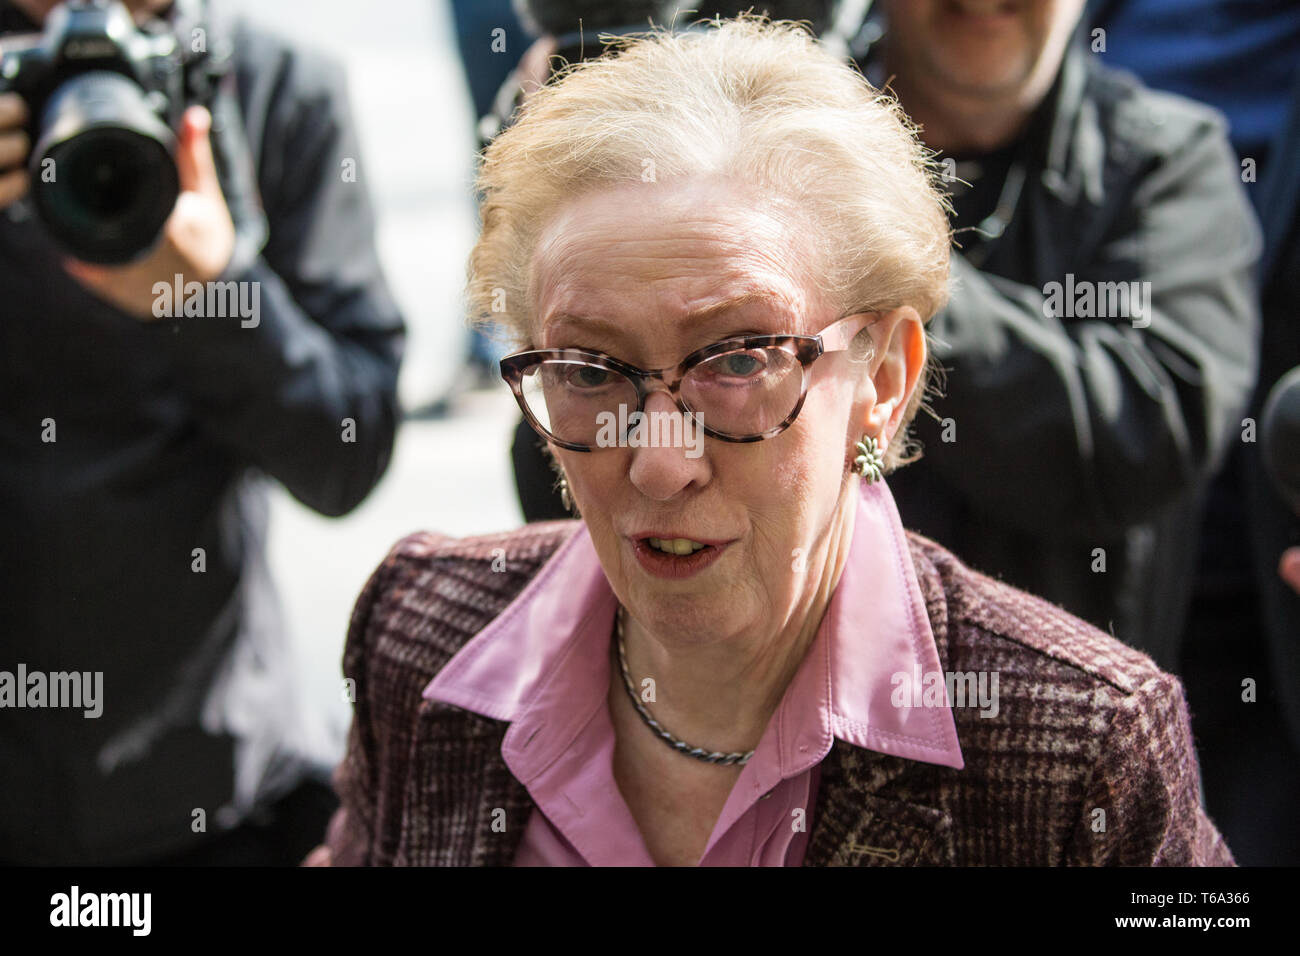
x=719 y=250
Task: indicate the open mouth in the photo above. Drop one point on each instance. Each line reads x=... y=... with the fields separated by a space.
x=675 y=557
x=675 y=546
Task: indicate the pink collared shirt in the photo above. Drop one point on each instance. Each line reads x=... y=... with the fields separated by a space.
x=543 y=665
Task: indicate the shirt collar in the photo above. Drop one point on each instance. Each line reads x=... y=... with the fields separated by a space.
x=543 y=663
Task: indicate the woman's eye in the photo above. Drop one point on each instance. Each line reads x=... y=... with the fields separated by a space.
x=741 y=364
x=589 y=376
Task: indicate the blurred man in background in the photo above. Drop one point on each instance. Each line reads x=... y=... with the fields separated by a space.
x=135 y=444
x=1243 y=59
x=490 y=40
x=1100 y=346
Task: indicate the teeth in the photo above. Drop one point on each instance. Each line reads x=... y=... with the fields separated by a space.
x=676 y=545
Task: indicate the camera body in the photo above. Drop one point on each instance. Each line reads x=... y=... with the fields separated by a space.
x=104 y=97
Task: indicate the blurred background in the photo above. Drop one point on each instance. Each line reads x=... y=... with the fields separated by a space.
x=452 y=475
x=1194 y=582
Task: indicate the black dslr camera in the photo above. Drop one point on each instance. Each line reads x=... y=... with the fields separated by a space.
x=104 y=98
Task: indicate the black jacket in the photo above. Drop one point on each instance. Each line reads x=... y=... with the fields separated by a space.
x=1077 y=446
x=165 y=435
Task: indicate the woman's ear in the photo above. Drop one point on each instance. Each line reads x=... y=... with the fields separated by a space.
x=899 y=337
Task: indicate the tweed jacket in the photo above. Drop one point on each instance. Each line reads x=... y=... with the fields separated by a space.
x=1088 y=761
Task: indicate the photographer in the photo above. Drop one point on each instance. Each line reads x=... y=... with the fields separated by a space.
x=136 y=434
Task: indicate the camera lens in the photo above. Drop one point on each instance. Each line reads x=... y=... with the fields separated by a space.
x=104 y=177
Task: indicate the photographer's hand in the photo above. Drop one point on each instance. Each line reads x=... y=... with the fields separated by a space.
x=14 y=147
x=1289 y=568
x=197 y=241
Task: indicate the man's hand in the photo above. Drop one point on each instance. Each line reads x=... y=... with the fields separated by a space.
x=1289 y=568
x=320 y=856
x=14 y=147
x=197 y=240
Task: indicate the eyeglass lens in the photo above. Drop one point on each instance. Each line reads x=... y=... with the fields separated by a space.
x=740 y=394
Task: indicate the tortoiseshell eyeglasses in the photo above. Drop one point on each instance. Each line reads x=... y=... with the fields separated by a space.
x=741 y=389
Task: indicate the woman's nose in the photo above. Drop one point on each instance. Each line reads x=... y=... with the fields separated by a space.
x=667 y=450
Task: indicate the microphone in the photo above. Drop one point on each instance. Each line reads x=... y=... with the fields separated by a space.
x=1280 y=437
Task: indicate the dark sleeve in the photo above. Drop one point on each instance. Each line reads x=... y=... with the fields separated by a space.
x=1142 y=804
x=1094 y=424
x=307 y=392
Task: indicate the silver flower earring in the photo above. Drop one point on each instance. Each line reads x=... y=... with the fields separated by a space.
x=869 y=462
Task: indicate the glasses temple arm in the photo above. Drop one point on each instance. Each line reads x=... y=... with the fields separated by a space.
x=837 y=336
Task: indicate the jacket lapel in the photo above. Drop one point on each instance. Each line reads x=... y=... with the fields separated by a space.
x=865 y=815
x=494 y=846
x=473 y=811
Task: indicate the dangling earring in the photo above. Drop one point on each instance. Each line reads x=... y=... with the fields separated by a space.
x=869 y=463
x=566 y=498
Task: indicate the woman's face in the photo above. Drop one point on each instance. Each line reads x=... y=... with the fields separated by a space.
x=635 y=272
